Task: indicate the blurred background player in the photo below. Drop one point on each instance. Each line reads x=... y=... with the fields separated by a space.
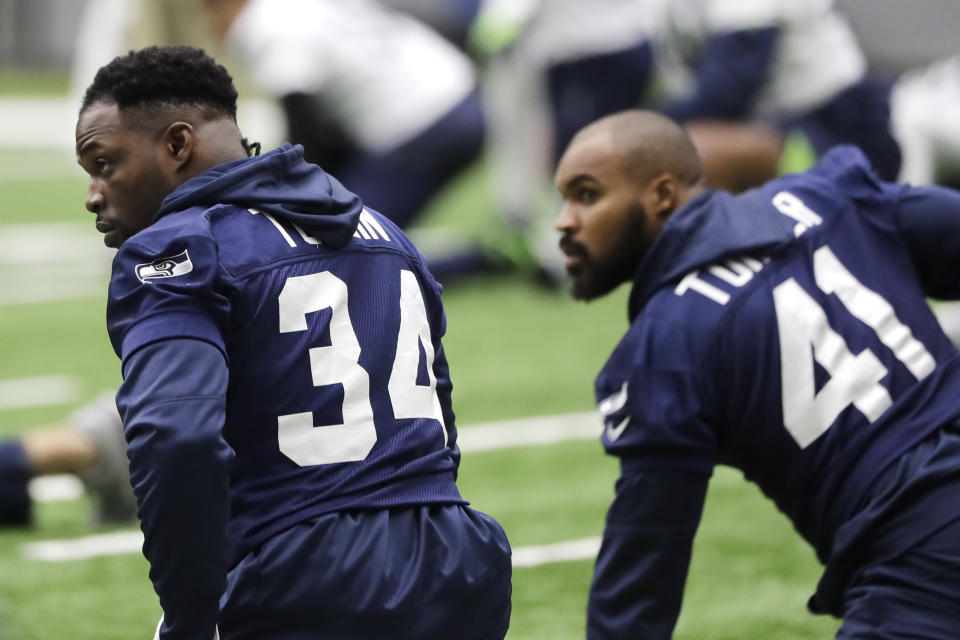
x=450 y=18
x=89 y=444
x=787 y=67
x=548 y=68
x=926 y=122
x=374 y=96
x=108 y=28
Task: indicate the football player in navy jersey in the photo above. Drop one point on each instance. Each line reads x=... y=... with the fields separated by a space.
x=286 y=399
x=784 y=332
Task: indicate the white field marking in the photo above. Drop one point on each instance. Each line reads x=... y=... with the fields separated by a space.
x=41 y=391
x=569 y=550
x=23 y=295
x=48 y=123
x=527 y=432
x=55 y=488
x=479 y=437
x=54 y=243
x=104 y=544
x=37 y=122
x=124 y=542
x=53 y=261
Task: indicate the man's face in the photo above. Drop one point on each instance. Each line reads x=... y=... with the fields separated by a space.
x=604 y=225
x=123 y=159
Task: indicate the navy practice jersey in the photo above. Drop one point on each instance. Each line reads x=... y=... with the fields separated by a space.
x=338 y=395
x=783 y=332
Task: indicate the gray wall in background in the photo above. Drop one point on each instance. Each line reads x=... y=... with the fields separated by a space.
x=896 y=34
x=38 y=33
x=899 y=34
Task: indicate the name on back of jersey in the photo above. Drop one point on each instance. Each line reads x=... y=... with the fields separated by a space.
x=737 y=272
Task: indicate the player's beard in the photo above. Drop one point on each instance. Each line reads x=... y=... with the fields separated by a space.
x=603 y=274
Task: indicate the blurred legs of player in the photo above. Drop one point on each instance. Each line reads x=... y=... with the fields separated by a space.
x=860 y=115
x=419 y=573
x=88 y=444
x=537 y=99
x=400 y=182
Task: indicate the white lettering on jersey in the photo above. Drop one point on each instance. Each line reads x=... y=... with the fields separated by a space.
x=808 y=334
x=168 y=267
x=369 y=229
x=735 y=272
x=792 y=206
x=283 y=232
x=306 y=236
x=610 y=405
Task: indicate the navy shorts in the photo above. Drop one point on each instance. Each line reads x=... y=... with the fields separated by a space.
x=915 y=595
x=423 y=573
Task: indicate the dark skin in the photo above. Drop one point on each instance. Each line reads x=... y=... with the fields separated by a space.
x=136 y=158
x=621 y=178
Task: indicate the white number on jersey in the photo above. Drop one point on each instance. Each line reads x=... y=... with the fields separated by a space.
x=806 y=335
x=352 y=440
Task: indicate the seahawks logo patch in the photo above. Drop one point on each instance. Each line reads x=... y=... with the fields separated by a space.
x=169 y=267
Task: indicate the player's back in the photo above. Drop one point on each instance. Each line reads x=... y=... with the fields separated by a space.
x=803 y=353
x=834 y=364
x=339 y=396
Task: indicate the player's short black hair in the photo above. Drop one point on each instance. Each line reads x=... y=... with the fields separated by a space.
x=164 y=76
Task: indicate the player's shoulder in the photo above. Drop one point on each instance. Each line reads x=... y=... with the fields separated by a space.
x=182 y=225
x=698 y=302
x=376 y=232
x=171 y=246
x=843 y=174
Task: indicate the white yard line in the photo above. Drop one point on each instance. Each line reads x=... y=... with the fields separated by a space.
x=104 y=544
x=567 y=551
x=48 y=122
x=124 y=542
x=48 y=262
x=55 y=488
x=490 y=436
x=526 y=432
x=41 y=391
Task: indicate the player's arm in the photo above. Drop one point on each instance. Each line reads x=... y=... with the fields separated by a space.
x=733 y=67
x=642 y=566
x=929 y=221
x=172 y=402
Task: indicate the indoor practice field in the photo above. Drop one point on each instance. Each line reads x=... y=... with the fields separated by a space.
x=517 y=351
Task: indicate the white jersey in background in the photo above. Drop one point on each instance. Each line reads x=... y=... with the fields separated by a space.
x=926 y=122
x=817 y=56
x=546 y=33
x=383 y=75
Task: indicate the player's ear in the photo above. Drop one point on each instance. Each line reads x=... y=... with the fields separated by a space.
x=663 y=196
x=179 y=141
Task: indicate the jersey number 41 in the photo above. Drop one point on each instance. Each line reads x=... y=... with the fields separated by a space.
x=854 y=379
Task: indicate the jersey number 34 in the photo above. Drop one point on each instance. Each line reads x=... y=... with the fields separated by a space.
x=352 y=440
x=854 y=379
